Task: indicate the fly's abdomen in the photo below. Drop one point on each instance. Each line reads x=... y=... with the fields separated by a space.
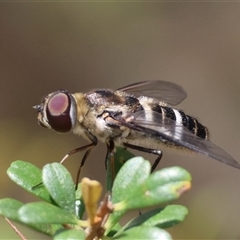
x=194 y=126
x=180 y=117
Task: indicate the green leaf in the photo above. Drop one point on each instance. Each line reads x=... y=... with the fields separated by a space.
x=59 y=183
x=144 y=232
x=160 y=217
x=161 y=187
x=168 y=217
x=9 y=208
x=115 y=164
x=79 y=208
x=42 y=212
x=78 y=234
x=133 y=173
x=28 y=177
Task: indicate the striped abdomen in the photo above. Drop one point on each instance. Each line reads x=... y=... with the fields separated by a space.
x=179 y=116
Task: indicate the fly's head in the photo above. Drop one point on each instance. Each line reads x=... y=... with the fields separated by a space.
x=57 y=111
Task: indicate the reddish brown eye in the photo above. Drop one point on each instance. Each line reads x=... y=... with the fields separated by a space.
x=61 y=112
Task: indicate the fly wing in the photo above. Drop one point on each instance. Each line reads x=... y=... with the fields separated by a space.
x=171 y=132
x=168 y=92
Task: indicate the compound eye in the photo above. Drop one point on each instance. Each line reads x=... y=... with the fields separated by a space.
x=58 y=112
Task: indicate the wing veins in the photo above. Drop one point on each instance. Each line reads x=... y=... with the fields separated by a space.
x=176 y=134
x=168 y=92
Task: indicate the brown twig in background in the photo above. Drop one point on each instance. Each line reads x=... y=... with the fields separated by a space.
x=16 y=229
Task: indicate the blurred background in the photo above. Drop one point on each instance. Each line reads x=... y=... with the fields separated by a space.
x=82 y=46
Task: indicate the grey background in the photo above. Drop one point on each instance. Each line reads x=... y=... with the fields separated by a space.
x=80 y=46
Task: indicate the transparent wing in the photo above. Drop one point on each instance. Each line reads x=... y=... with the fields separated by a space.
x=171 y=132
x=164 y=91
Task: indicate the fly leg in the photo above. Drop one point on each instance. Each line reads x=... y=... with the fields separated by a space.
x=110 y=149
x=76 y=150
x=88 y=149
x=109 y=164
x=147 y=150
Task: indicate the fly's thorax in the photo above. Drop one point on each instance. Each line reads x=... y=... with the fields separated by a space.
x=98 y=112
x=101 y=99
x=104 y=97
x=90 y=108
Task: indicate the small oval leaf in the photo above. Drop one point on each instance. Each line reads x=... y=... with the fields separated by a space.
x=160 y=217
x=28 y=176
x=168 y=217
x=59 y=183
x=9 y=208
x=42 y=212
x=133 y=173
x=161 y=187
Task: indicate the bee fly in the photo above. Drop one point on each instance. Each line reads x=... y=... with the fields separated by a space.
x=137 y=116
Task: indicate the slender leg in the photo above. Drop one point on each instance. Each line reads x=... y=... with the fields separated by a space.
x=76 y=150
x=110 y=164
x=110 y=149
x=88 y=149
x=147 y=150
